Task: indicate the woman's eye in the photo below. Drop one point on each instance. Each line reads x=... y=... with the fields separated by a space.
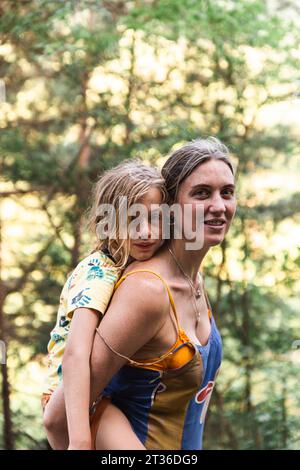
x=201 y=192
x=205 y=192
x=228 y=192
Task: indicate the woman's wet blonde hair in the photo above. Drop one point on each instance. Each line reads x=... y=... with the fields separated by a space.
x=133 y=179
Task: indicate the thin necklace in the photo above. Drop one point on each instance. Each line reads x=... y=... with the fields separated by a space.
x=197 y=291
x=194 y=290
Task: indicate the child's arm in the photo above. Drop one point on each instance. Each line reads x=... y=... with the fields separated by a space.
x=76 y=375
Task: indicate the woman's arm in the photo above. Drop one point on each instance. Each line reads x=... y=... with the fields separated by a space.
x=76 y=375
x=138 y=310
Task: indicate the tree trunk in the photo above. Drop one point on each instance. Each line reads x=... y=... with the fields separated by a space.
x=284 y=424
x=248 y=351
x=5 y=388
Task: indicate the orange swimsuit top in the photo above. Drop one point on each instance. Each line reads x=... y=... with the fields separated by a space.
x=179 y=354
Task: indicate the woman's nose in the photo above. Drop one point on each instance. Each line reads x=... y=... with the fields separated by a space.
x=217 y=204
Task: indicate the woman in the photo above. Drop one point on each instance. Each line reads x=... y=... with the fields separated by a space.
x=158 y=350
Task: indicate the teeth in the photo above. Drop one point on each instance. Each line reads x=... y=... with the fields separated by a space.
x=214 y=222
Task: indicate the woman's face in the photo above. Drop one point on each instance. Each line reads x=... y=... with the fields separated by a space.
x=150 y=231
x=211 y=184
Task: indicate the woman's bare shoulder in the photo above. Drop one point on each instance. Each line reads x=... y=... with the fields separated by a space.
x=146 y=284
x=150 y=275
x=155 y=264
x=144 y=291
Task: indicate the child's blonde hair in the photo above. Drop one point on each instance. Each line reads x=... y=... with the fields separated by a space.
x=132 y=179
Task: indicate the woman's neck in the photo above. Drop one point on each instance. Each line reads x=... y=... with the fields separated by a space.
x=190 y=260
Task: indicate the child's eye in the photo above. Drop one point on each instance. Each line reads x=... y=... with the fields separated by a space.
x=131 y=218
x=155 y=217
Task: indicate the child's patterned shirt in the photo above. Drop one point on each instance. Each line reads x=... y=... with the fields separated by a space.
x=90 y=285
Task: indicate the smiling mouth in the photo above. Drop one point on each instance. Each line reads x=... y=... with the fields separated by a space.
x=215 y=223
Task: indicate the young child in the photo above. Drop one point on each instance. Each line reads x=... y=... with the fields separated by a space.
x=85 y=298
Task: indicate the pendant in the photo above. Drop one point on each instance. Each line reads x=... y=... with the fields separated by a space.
x=198 y=291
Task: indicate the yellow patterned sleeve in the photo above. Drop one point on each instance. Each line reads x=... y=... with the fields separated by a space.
x=91 y=284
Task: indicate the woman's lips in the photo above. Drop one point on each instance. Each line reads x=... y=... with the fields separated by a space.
x=213 y=226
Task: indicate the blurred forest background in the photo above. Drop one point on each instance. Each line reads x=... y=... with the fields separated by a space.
x=85 y=84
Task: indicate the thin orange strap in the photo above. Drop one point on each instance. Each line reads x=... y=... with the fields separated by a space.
x=117 y=353
x=136 y=363
x=163 y=356
x=166 y=286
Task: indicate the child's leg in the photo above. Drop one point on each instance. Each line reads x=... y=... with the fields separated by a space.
x=55 y=420
x=114 y=431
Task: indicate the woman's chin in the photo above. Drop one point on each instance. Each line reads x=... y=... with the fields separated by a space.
x=214 y=240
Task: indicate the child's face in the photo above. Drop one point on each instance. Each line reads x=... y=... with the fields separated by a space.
x=150 y=230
